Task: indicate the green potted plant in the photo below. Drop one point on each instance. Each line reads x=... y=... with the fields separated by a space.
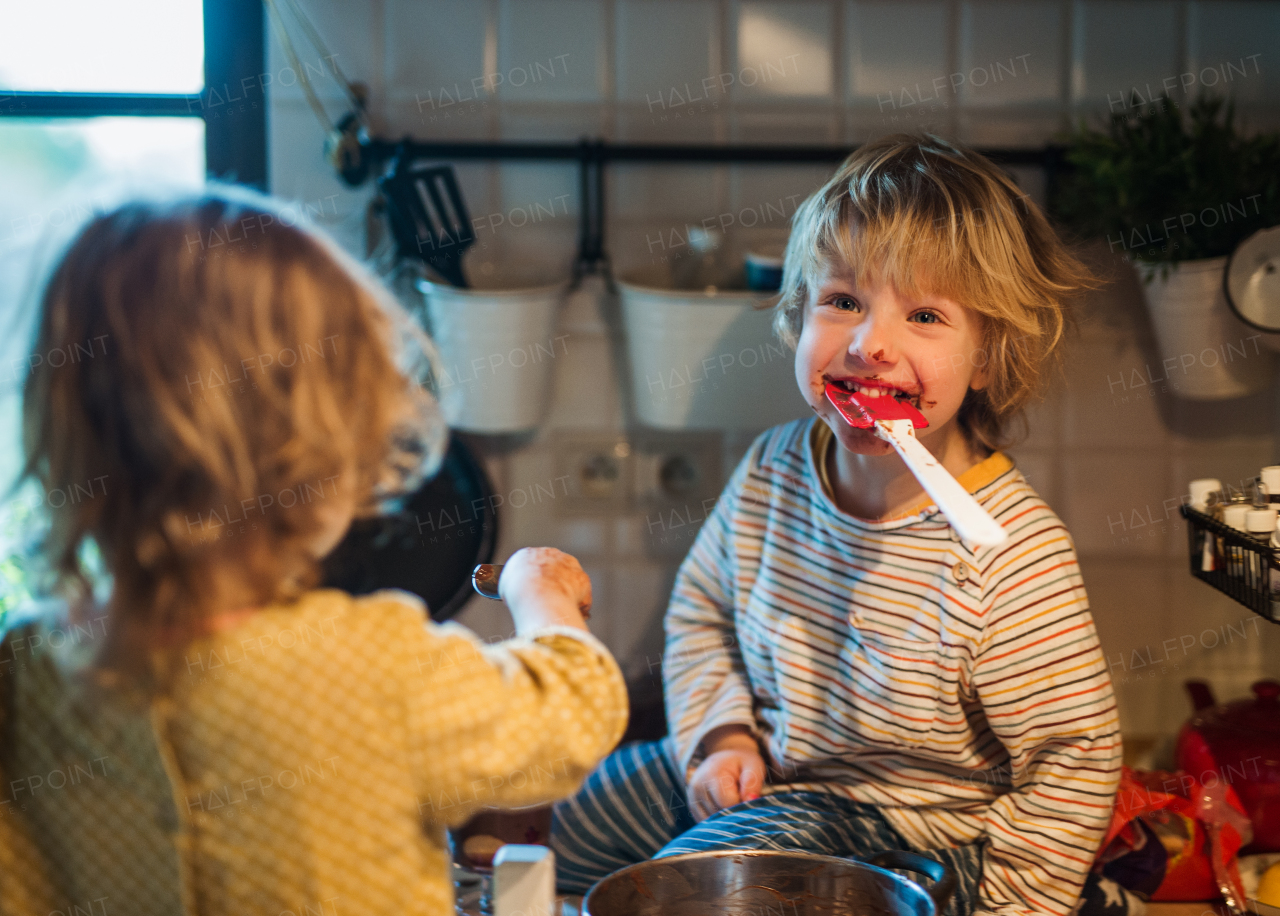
x=1174 y=193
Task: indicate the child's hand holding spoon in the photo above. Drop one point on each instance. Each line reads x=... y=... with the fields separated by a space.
x=542 y=586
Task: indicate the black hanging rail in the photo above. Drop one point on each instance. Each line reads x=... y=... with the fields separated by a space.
x=357 y=155
x=610 y=151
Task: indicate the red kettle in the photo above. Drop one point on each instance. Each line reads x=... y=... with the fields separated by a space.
x=1239 y=744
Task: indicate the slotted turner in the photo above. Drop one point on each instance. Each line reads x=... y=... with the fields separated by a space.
x=428 y=216
x=896 y=421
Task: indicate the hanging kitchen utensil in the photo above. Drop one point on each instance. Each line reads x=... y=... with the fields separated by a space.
x=430 y=546
x=428 y=215
x=356 y=93
x=1252 y=280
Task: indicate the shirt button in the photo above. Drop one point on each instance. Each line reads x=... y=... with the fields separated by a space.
x=960 y=572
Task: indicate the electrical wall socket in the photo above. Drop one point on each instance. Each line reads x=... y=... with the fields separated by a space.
x=673 y=478
x=678 y=477
x=672 y=469
x=599 y=471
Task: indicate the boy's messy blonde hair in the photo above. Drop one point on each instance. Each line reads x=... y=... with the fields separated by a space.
x=932 y=218
x=219 y=362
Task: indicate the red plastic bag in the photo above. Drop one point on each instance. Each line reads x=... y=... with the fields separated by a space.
x=1201 y=828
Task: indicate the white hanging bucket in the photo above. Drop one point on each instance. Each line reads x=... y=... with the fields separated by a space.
x=499 y=349
x=707 y=360
x=1208 y=353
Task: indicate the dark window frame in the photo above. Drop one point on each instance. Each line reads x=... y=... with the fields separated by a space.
x=233 y=103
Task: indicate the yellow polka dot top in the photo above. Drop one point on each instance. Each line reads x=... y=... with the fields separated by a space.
x=307 y=760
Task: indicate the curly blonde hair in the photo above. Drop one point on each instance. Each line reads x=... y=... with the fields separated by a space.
x=931 y=217
x=232 y=364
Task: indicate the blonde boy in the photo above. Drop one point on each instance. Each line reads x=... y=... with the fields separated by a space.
x=844 y=674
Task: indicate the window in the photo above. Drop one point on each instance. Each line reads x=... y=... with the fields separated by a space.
x=96 y=100
x=137 y=46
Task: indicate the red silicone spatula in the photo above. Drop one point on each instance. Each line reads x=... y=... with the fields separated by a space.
x=862 y=411
x=896 y=421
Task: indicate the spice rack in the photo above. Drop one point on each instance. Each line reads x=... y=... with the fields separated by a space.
x=1241 y=567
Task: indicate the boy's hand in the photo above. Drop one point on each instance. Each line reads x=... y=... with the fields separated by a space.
x=733 y=772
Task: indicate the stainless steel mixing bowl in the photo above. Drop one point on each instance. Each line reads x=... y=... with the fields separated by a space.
x=771 y=883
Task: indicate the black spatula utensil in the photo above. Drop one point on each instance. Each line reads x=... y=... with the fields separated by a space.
x=428 y=216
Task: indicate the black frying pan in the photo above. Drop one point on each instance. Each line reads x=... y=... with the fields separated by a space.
x=430 y=546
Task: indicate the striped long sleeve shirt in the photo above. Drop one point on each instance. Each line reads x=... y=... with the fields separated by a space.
x=959 y=688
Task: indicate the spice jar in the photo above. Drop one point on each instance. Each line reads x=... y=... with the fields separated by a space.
x=1270 y=478
x=1260 y=523
x=1202 y=493
x=1234 y=515
x=1274 y=573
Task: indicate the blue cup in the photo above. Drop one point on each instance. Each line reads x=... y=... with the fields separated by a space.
x=764 y=272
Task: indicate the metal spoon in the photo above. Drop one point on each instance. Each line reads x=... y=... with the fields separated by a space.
x=484 y=579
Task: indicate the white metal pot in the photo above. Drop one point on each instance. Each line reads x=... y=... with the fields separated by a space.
x=499 y=349
x=707 y=360
x=1207 y=352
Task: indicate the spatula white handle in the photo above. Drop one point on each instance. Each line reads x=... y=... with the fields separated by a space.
x=971 y=521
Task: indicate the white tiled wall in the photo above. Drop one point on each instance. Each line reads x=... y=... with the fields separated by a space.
x=1107 y=60
x=1000 y=72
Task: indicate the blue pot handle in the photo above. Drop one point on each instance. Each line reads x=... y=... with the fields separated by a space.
x=944 y=879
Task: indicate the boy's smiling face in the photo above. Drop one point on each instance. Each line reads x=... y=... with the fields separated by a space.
x=929 y=350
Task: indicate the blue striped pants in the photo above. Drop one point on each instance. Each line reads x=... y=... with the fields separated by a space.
x=634 y=807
